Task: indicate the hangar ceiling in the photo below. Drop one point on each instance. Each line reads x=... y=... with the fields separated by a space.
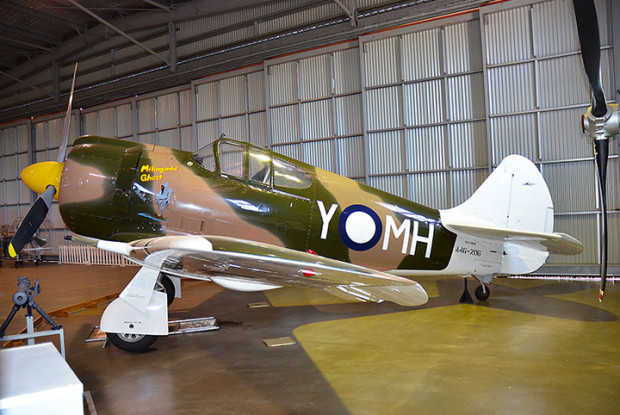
x=129 y=47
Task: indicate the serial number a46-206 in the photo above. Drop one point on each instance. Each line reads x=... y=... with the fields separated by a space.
x=468 y=251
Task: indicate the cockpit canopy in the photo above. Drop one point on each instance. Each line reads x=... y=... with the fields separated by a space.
x=250 y=163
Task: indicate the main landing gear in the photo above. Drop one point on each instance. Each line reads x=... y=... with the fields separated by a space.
x=165 y=285
x=482 y=292
x=130 y=342
x=155 y=314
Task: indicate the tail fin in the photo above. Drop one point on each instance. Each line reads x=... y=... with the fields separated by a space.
x=514 y=196
x=513 y=205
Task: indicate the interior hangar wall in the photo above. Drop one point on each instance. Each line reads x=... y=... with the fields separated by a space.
x=424 y=111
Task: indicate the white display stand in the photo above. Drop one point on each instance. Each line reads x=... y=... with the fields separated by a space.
x=37 y=380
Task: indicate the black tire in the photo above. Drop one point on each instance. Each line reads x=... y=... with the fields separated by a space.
x=483 y=293
x=165 y=285
x=133 y=343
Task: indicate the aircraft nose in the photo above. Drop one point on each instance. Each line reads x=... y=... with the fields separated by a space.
x=40 y=175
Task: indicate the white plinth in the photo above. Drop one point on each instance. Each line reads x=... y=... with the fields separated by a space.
x=37 y=380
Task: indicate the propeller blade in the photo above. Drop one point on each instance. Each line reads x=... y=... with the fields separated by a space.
x=62 y=151
x=49 y=174
x=587 y=27
x=32 y=221
x=601 y=150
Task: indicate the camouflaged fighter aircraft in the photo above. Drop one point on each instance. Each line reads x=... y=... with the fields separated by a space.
x=250 y=219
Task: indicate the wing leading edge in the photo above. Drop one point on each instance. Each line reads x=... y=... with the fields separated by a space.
x=250 y=266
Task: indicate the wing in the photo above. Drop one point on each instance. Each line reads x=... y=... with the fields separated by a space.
x=250 y=266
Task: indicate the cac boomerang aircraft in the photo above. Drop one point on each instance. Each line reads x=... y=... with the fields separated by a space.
x=250 y=219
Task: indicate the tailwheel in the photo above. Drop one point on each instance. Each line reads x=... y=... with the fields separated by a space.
x=131 y=342
x=483 y=292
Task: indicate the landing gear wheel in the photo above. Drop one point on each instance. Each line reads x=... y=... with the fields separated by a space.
x=130 y=342
x=482 y=292
x=165 y=285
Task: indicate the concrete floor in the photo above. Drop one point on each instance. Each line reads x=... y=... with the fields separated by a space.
x=535 y=347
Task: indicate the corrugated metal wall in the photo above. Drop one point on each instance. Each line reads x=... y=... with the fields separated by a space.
x=233 y=106
x=314 y=109
x=424 y=92
x=423 y=111
x=158 y=119
x=16 y=154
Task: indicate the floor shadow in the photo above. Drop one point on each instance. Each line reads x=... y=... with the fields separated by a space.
x=537 y=300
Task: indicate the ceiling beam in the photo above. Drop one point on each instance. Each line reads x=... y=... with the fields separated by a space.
x=351 y=13
x=139 y=21
x=7 y=63
x=161 y=29
x=109 y=7
x=117 y=30
x=48 y=16
x=156 y=4
x=30 y=35
x=25 y=83
x=28 y=44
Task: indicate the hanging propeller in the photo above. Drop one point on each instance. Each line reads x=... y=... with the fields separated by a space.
x=44 y=178
x=600 y=120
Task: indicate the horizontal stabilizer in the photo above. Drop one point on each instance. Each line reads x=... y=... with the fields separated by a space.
x=555 y=243
x=566 y=245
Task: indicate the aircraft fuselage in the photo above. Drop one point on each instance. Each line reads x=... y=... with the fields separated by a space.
x=118 y=190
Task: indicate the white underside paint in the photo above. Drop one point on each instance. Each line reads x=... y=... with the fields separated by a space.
x=237 y=284
x=140 y=309
x=122 y=317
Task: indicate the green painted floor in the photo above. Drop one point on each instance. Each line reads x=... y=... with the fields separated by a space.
x=510 y=357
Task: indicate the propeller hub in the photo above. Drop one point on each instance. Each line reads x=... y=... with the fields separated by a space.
x=39 y=176
x=604 y=127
